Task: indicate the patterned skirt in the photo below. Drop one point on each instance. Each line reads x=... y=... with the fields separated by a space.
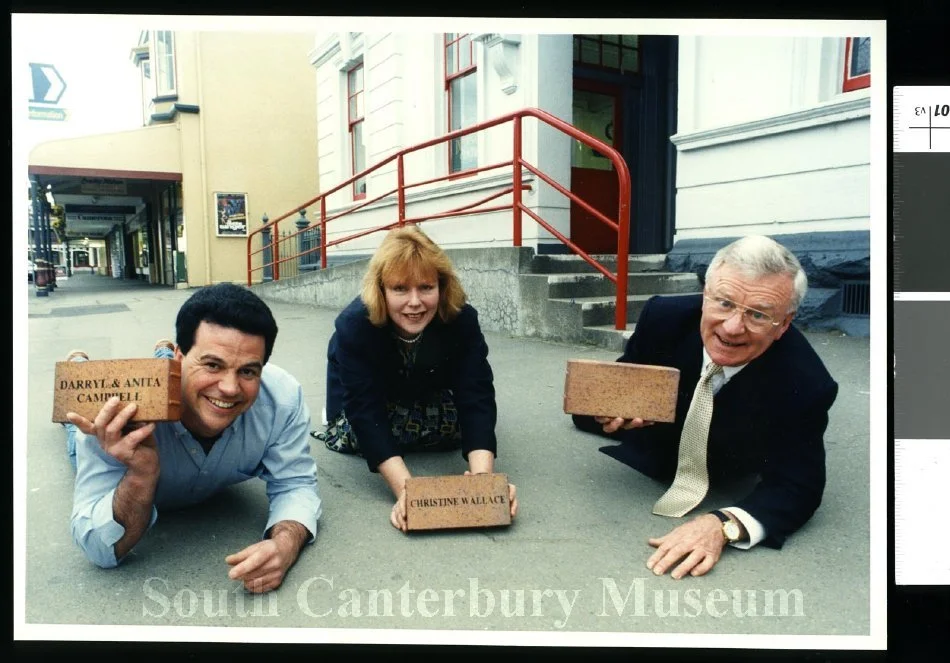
x=430 y=425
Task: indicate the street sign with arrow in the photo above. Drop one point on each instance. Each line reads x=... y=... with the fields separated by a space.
x=48 y=85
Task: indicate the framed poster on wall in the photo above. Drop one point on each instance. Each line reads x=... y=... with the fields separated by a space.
x=231 y=214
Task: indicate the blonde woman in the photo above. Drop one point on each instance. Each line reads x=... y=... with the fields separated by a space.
x=408 y=368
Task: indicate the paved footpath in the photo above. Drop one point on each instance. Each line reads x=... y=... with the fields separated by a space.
x=570 y=570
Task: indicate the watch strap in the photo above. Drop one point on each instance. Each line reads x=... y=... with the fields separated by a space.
x=720 y=515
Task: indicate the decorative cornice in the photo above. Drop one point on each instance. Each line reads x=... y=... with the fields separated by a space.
x=138 y=54
x=341 y=49
x=501 y=50
x=832 y=113
x=326 y=50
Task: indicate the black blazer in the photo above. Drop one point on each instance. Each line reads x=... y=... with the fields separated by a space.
x=364 y=372
x=768 y=420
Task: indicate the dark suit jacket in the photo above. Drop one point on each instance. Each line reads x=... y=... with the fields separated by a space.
x=364 y=372
x=768 y=420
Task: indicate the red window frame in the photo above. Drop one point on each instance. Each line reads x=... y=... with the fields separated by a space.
x=355 y=102
x=853 y=82
x=453 y=44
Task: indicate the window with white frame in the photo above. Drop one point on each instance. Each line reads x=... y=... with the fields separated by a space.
x=461 y=98
x=140 y=56
x=355 y=114
x=165 y=83
x=857 y=64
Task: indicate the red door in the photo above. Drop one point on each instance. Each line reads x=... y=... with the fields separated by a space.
x=593 y=177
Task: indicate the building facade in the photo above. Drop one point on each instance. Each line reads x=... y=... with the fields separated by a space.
x=228 y=137
x=723 y=136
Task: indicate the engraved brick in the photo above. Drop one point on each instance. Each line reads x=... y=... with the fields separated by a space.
x=84 y=387
x=619 y=389
x=457 y=501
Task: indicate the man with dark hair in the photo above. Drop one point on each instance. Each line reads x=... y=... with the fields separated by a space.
x=753 y=402
x=241 y=418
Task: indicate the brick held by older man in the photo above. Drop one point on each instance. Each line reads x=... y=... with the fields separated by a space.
x=608 y=388
x=154 y=385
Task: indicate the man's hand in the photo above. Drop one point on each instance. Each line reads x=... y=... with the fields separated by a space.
x=696 y=546
x=263 y=565
x=133 y=445
x=613 y=424
x=130 y=444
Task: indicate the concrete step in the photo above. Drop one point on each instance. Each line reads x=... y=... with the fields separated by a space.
x=594 y=285
x=597 y=311
x=568 y=264
x=605 y=336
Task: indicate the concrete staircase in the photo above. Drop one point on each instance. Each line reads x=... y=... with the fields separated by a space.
x=581 y=302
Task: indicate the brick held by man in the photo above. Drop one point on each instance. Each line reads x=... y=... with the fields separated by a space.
x=84 y=387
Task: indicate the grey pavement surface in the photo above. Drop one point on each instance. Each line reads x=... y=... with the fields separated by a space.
x=572 y=562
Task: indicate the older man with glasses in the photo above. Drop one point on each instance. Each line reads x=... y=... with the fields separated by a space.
x=753 y=402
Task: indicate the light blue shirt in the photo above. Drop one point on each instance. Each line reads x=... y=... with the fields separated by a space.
x=270 y=441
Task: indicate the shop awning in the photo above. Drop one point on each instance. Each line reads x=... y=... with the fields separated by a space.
x=104 y=179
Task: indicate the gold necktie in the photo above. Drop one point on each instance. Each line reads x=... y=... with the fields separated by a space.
x=692 y=479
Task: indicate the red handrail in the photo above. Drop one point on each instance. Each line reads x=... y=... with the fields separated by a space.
x=621 y=225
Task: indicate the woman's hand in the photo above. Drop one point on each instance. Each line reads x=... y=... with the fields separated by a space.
x=395 y=472
x=398 y=515
x=513 y=499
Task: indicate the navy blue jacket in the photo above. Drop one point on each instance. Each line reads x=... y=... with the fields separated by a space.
x=364 y=373
x=768 y=420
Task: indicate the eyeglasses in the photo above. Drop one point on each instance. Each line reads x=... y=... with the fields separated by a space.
x=720 y=308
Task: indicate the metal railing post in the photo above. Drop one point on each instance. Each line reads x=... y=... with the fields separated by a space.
x=315 y=239
x=401 y=189
x=623 y=246
x=516 y=184
x=268 y=251
x=275 y=243
x=323 y=232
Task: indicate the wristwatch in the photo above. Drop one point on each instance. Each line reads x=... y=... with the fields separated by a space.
x=730 y=529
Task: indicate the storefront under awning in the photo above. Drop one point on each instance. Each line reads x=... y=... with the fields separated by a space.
x=122 y=187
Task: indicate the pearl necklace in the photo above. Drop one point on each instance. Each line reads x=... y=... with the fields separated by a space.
x=410 y=341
